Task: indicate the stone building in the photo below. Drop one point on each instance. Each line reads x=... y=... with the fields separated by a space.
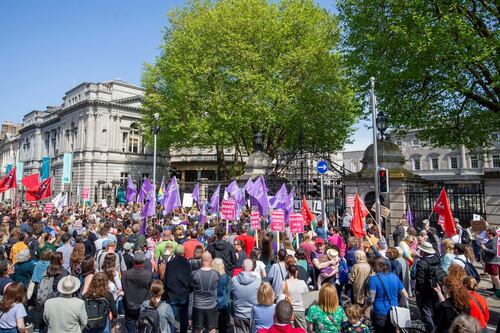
x=99 y=124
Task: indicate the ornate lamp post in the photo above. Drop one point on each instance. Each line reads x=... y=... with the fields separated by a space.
x=381 y=123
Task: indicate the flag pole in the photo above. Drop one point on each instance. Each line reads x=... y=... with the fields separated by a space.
x=297 y=240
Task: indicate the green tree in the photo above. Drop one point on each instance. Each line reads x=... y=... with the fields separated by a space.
x=230 y=68
x=436 y=63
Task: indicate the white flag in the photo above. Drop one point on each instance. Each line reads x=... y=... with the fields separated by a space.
x=60 y=201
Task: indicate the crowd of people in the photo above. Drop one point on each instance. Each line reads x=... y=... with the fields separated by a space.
x=100 y=269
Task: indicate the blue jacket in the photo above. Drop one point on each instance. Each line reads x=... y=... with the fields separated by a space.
x=222 y=292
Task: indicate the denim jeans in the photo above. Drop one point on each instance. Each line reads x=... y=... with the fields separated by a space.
x=182 y=307
x=8 y=330
x=426 y=302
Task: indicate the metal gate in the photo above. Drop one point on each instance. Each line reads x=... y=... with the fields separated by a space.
x=465 y=200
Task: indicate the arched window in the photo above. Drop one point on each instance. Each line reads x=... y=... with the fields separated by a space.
x=433 y=161
x=133 y=139
x=416 y=162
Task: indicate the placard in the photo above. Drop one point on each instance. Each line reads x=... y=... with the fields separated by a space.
x=384 y=211
x=67 y=167
x=49 y=207
x=296 y=223
x=349 y=201
x=278 y=220
x=85 y=193
x=477 y=226
x=476 y=217
x=228 y=210
x=187 y=200
x=255 y=220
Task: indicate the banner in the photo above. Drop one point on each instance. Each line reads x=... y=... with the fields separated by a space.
x=67 y=167
x=45 y=172
x=498 y=242
x=85 y=193
x=120 y=193
x=187 y=200
x=255 y=220
x=8 y=168
x=296 y=223
x=19 y=172
x=228 y=210
x=349 y=201
x=278 y=220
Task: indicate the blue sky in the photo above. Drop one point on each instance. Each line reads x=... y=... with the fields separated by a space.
x=47 y=47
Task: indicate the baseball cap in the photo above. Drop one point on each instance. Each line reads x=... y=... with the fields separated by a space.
x=319 y=240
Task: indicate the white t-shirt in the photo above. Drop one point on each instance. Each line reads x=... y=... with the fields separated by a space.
x=259 y=268
x=9 y=319
x=296 y=288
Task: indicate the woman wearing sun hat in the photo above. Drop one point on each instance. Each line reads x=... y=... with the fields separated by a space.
x=66 y=313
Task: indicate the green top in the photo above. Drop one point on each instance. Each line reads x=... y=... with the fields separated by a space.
x=47 y=245
x=160 y=247
x=326 y=322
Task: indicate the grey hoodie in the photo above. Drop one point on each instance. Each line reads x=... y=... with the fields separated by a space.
x=244 y=294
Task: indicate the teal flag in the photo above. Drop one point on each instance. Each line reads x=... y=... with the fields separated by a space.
x=45 y=172
x=19 y=172
x=7 y=170
x=67 y=167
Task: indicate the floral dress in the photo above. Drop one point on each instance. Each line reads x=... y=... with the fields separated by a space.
x=326 y=322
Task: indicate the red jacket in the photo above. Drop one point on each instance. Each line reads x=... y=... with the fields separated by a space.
x=249 y=241
x=276 y=328
x=479 y=309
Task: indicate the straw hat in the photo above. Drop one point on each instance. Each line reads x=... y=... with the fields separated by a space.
x=427 y=248
x=332 y=253
x=68 y=285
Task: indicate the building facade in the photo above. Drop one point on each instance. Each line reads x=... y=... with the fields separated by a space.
x=99 y=123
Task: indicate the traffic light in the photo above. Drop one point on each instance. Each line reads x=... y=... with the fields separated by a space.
x=383 y=178
x=316 y=188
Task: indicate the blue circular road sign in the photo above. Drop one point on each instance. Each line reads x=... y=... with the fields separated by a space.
x=322 y=167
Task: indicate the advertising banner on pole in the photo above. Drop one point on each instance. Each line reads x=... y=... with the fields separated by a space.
x=67 y=167
x=255 y=220
x=45 y=172
x=296 y=223
x=19 y=172
x=228 y=210
x=278 y=220
x=85 y=193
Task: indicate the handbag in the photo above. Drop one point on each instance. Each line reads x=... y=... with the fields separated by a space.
x=400 y=317
x=30 y=290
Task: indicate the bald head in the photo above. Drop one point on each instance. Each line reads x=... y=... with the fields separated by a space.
x=167 y=234
x=206 y=259
x=247 y=265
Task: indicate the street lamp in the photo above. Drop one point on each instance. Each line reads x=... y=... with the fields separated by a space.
x=381 y=122
x=155 y=129
x=375 y=122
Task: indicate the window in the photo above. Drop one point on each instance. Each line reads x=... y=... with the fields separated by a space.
x=496 y=136
x=495 y=159
x=435 y=163
x=453 y=162
x=474 y=162
x=416 y=163
x=123 y=179
x=415 y=143
x=124 y=141
x=133 y=139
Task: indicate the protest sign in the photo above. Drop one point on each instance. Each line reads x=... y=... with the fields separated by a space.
x=49 y=207
x=349 y=201
x=478 y=226
x=278 y=220
x=187 y=200
x=228 y=210
x=296 y=223
x=255 y=220
x=85 y=193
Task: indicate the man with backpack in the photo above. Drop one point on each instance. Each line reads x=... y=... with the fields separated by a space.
x=428 y=275
x=135 y=284
x=462 y=261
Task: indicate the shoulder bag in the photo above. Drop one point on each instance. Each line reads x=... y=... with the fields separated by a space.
x=400 y=317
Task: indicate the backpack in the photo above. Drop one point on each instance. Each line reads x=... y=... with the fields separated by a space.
x=436 y=274
x=148 y=321
x=465 y=238
x=45 y=289
x=470 y=269
x=97 y=313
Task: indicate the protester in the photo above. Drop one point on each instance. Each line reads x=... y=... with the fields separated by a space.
x=244 y=295
x=23 y=269
x=135 y=283
x=248 y=241
x=358 y=277
x=166 y=323
x=354 y=323
x=262 y=312
x=449 y=254
x=12 y=311
x=282 y=318
x=98 y=296
x=65 y=313
x=277 y=273
x=223 y=250
x=326 y=316
x=491 y=258
x=465 y=324
x=66 y=249
x=224 y=322
x=453 y=303
x=177 y=280
x=293 y=289
x=478 y=304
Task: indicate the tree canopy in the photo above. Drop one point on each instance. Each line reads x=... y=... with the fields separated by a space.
x=230 y=68
x=436 y=63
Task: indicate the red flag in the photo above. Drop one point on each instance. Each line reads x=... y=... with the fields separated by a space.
x=40 y=191
x=359 y=214
x=8 y=181
x=30 y=181
x=442 y=208
x=306 y=212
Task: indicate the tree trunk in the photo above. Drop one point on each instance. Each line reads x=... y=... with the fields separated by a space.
x=221 y=163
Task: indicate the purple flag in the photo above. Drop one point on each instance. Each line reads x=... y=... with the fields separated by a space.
x=278 y=201
x=145 y=188
x=214 y=201
x=409 y=216
x=148 y=209
x=259 y=193
x=172 y=197
x=203 y=213
x=196 y=194
x=232 y=190
x=288 y=203
x=131 y=191
x=249 y=185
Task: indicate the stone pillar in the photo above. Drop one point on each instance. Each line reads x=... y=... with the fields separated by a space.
x=492 y=197
x=203 y=188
